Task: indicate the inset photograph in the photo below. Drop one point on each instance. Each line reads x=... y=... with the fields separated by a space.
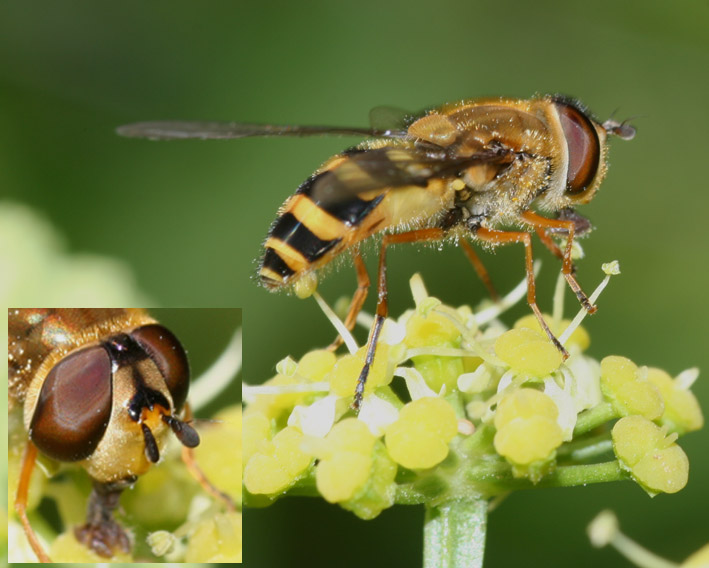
x=124 y=435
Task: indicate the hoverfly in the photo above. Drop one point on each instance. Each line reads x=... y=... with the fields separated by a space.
x=101 y=388
x=481 y=169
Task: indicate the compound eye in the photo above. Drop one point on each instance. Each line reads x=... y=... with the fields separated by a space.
x=169 y=356
x=74 y=406
x=584 y=148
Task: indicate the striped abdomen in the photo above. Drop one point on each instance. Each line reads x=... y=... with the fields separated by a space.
x=381 y=184
x=310 y=231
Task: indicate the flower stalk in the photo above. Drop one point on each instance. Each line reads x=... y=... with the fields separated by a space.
x=454 y=534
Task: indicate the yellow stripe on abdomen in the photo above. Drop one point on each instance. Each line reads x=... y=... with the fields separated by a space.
x=321 y=223
x=294 y=259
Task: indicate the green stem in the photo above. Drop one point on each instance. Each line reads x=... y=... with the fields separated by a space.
x=586 y=448
x=569 y=476
x=496 y=479
x=454 y=534
x=572 y=475
x=594 y=417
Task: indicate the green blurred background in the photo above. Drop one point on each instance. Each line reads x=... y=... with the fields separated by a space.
x=189 y=217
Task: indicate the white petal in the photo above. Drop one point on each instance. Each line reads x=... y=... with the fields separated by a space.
x=505 y=381
x=377 y=414
x=393 y=333
x=686 y=378
x=565 y=403
x=414 y=382
x=337 y=323
x=418 y=288
x=316 y=419
x=475 y=382
x=584 y=374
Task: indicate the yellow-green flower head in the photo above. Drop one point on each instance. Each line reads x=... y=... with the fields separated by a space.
x=527 y=428
x=275 y=406
x=425 y=328
x=579 y=339
x=345 y=460
x=277 y=464
x=627 y=389
x=315 y=365
x=419 y=438
x=345 y=373
x=354 y=469
x=256 y=432
x=652 y=458
x=293 y=384
x=528 y=352
x=682 y=412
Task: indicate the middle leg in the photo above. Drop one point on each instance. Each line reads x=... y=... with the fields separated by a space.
x=480 y=269
x=432 y=234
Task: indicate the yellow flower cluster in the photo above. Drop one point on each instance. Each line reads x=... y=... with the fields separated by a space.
x=354 y=470
x=646 y=397
x=477 y=402
x=700 y=559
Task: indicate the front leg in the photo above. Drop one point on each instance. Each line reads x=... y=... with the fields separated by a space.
x=29 y=457
x=543 y=226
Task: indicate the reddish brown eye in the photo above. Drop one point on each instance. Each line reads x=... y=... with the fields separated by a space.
x=169 y=356
x=74 y=406
x=584 y=148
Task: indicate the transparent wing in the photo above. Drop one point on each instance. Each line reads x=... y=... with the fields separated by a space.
x=391 y=119
x=185 y=130
x=391 y=168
